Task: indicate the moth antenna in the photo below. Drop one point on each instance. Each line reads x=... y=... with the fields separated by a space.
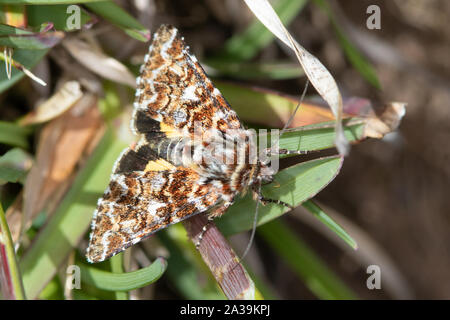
x=302 y=97
x=291 y=118
x=252 y=236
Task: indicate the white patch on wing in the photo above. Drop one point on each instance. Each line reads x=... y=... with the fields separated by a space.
x=105 y=243
x=189 y=94
x=146 y=102
x=193 y=58
x=177 y=71
x=153 y=206
x=157 y=182
x=167 y=45
x=120 y=179
x=179 y=116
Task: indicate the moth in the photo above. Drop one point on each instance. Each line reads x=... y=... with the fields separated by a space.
x=193 y=156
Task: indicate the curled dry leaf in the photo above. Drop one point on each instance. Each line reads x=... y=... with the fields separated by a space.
x=319 y=76
x=387 y=121
x=67 y=95
x=62 y=143
x=379 y=121
x=221 y=259
x=98 y=62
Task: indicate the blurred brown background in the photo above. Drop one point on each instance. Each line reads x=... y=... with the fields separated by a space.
x=397 y=190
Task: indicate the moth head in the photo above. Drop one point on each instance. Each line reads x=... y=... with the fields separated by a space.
x=265 y=173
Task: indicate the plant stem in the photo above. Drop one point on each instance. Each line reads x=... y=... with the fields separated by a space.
x=10 y=279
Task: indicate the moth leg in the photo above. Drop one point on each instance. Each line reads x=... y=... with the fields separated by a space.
x=217 y=212
x=265 y=201
x=269 y=152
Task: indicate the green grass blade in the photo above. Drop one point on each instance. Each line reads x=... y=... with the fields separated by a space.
x=278 y=70
x=247 y=44
x=14 y=165
x=117 y=16
x=123 y=281
x=72 y=218
x=13 y=134
x=21 y=39
x=117 y=267
x=320 y=136
x=56 y=14
x=183 y=273
x=255 y=106
x=53 y=290
x=262 y=108
x=263 y=291
x=304 y=262
x=330 y=223
x=361 y=64
x=10 y=280
x=293 y=185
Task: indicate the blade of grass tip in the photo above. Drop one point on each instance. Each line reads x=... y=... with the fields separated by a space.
x=304 y=262
x=126 y=281
x=319 y=76
x=355 y=57
x=117 y=267
x=10 y=278
x=119 y=17
x=330 y=223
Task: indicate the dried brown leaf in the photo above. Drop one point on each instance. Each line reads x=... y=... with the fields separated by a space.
x=98 y=62
x=221 y=259
x=66 y=96
x=62 y=144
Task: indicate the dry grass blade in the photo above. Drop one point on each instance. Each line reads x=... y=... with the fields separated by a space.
x=98 y=62
x=20 y=67
x=67 y=95
x=220 y=259
x=62 y=143
x=388 y=121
